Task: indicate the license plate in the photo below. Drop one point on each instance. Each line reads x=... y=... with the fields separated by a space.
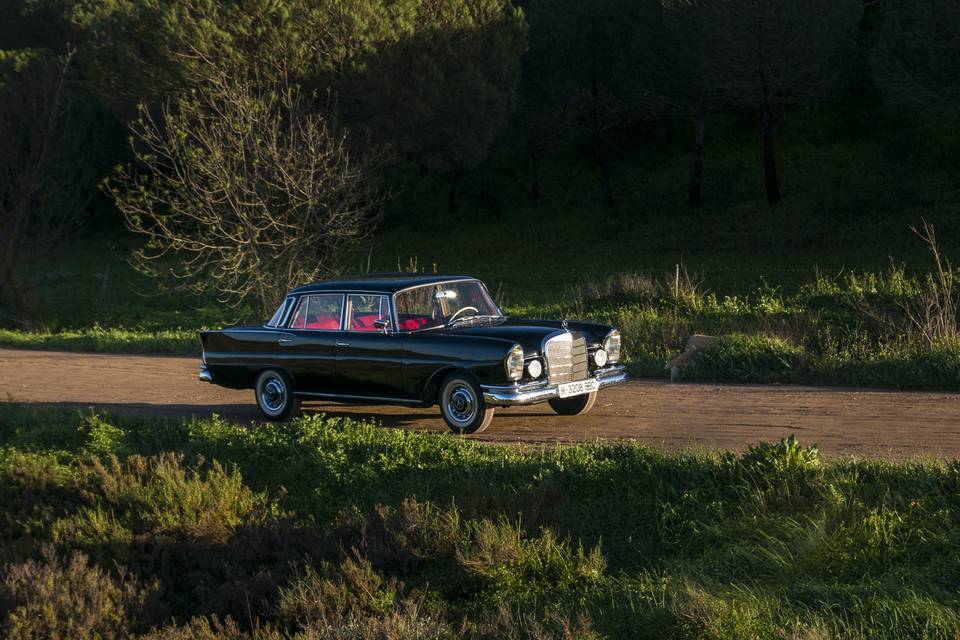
x=577 y=388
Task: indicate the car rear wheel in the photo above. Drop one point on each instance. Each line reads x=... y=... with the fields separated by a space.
x=573 y=406
x=274 y=395
x=462 y=405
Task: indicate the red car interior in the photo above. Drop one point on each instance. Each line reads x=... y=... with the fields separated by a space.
x=330 y=322
x=411 y=322
x=364 y=322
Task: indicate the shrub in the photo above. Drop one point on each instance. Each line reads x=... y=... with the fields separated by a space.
x=69 y=599
x=786 y=457
x=335 y=594
x=203 y=628
x=161 y=496
x=741 y=358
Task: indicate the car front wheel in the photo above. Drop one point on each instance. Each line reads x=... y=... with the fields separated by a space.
x=574 y=406
x=274 y=395
x=462 y=405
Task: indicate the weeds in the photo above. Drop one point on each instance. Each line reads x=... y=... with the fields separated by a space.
x=69 y=598
x=934 y=311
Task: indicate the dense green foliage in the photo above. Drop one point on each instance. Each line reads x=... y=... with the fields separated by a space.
x=331 y=529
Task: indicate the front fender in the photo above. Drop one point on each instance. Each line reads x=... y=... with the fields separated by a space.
x=428 y=359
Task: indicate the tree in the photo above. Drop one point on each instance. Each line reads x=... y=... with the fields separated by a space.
x=440 y=82
x=765 y=53
x=151 y=50
x=571 y=72
x=432 y=80
x=45 y=168
x=915 y=57
x=249 y=189
x=679 y=67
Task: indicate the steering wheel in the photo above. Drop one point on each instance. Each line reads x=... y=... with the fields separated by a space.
x=459 y=311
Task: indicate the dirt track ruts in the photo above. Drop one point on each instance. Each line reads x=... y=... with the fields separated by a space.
x=711 y=416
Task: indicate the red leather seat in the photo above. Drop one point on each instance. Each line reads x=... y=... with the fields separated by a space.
x=411 y=323
x=329 y=322
x=364 y=322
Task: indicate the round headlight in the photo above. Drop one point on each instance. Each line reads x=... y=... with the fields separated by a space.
x=600 y=357
x=534 y=369
x=514 y=363
x=611 y=345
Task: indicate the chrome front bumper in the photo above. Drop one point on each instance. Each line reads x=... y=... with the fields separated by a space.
x=535 y=392
x=205 y=375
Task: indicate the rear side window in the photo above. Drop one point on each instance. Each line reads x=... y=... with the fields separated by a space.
x=319 y=312
x=365 y=310
x=281 y=312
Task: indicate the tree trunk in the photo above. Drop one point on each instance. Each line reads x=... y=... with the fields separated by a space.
x=601 y=156
x=452 y=196
x=533 y=160
x=770 y=179
x=695 y=198
x=598 y=149
x=10 y=294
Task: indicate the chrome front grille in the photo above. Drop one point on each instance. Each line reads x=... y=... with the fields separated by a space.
x=566 y=356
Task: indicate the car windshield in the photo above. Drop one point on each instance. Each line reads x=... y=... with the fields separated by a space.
x=438 y=305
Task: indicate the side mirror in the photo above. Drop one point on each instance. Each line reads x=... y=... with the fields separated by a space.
x=382 y=324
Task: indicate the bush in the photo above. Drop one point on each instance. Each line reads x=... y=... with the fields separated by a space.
x=162 y=497
x=740 y=358
x=69 y=599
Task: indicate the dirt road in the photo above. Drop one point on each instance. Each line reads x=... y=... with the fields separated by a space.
x=841 y=421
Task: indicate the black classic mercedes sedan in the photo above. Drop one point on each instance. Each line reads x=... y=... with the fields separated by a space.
x=416 y=340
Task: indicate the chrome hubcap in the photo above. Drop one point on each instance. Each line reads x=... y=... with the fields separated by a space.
x=461 y=404
x=274 y=395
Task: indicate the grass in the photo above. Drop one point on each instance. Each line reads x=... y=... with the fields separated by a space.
x=110 y=340
x=328 y=528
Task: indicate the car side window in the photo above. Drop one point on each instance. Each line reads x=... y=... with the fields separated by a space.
x=364 y=310
x=281 y=311
x=319 y=312
x=418 y=309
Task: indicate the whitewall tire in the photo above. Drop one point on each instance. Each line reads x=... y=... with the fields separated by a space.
x=462 y=405
x=274 y=395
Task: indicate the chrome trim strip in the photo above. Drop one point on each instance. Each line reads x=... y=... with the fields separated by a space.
x=519 y=395
x=335 y=396
x=205 y=375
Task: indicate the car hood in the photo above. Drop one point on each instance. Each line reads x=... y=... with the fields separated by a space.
x=529 y=334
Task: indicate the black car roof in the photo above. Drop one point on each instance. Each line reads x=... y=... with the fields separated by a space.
x=378 y=282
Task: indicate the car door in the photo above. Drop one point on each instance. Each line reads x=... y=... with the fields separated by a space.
x=370 y=358
x=307 y=347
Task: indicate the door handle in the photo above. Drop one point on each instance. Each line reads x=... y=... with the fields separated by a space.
x=343 y=344
x=285 y=341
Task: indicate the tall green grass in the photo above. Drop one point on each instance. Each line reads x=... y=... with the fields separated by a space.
x=327 y=528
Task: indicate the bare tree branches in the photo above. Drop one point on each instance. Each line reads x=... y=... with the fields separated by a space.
x=250 y=191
